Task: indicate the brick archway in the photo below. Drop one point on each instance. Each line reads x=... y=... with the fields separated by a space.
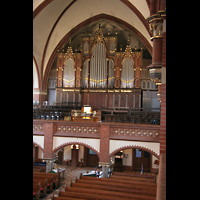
x=135 y=147
x=75 y=142
x=35 y=143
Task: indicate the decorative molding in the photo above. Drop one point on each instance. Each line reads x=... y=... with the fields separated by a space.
x=135 y=132
x=77 y=129
x=37 y=127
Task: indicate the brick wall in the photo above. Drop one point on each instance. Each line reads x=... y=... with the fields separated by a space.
x=104 y=132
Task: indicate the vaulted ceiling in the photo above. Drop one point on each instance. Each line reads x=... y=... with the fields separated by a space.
x=55 y=21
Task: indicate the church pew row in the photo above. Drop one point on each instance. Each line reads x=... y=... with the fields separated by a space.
x=106 y=194
x=56 y=177
x=36 y=191
x=43 y=179
x=44 y=186
x=115 y=188
x=66 y=198
x=122 y=185
x=89 y=196
x=149 y=184
x=132 y=178
x=133 y=175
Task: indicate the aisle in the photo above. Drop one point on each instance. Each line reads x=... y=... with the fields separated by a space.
x=70 y=174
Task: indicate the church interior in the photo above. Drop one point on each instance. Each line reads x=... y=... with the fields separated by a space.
x=99 y=97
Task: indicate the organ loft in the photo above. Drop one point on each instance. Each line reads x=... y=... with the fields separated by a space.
x=103 y=72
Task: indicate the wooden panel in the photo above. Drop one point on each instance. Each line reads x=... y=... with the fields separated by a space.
x=145 y=159
x=123 y=100
x=130 y=100
x=83 y=99
x=110 y=100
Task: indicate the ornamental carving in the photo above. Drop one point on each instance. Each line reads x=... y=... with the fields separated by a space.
x=37 y=127
x=77 y=129
x=135 y=132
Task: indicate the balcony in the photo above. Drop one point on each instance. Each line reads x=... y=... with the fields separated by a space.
x=62 y=111
x=118 y=131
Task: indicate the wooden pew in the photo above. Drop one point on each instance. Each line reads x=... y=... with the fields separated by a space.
x=132 y=178
x=133 y=175
x=109 y=193
x=36 y=190
x=120 y=181
x=56 y=177
x=43 y=185
x=66 y=198
x=115 y=188
x=89 y=196
x=114 y=184
x=49 y=179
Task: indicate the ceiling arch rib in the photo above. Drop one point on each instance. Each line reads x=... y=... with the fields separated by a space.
x=71 y=18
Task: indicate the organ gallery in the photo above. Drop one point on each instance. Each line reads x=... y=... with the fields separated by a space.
x=101 y=69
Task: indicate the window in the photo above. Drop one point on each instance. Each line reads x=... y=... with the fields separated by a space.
x=146 y=154
x=91 y=152
x=138 y=153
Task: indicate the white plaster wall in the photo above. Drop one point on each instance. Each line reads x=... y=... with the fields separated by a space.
x=58 y=141
x=35 y=76
x=81 y=153
x=67 y=152
x=152 y=162
x=115 y=144
x=127 y=161
x=40 y=153
x=39 y=140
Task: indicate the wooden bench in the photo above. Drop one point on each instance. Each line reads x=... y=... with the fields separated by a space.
x=135 y=186
x=66 y=198
x=56 y=177
x=133 y=175
x=88 y=196
x=120 y=181
x=43 y=185
x=132 y=178
x=109 y=193
x=36 y=190
x=49 y=180
x=115 y=188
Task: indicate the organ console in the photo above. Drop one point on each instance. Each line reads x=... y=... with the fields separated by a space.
x=85 y=114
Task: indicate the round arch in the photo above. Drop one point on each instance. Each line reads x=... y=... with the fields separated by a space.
x=135 y=147
x=35 y=143
x=75 y=142
x=82 y=25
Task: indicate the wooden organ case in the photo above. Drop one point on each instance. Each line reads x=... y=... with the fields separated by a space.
x=100 y=76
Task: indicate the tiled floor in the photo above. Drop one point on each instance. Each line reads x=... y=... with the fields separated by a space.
x=70 y=174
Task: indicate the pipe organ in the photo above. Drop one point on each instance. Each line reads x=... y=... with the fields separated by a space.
x=99 y=75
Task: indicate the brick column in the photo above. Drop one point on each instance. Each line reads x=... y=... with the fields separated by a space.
x=48 y=140
x=161 y=186
x=104 y=132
